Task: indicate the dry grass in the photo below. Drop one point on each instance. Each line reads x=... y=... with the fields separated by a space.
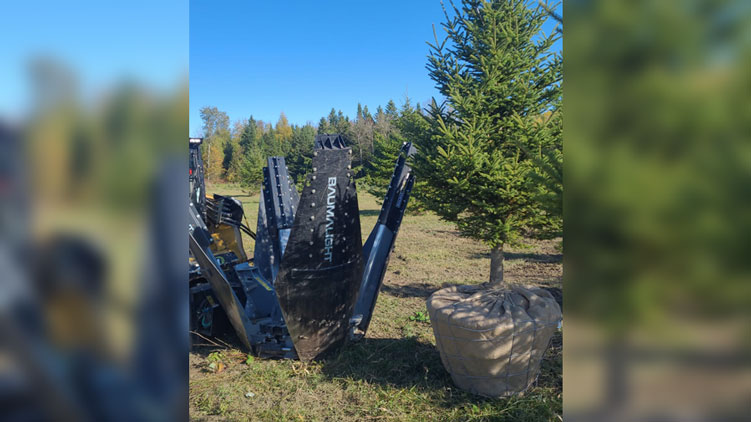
x=395 y=373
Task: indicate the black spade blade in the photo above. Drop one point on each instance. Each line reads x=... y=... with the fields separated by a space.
x=321 y=269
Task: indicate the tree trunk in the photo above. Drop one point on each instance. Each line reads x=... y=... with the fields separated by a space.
x=496 y=265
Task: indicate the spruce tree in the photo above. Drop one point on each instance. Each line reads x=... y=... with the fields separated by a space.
x=250 y=171
x=249 y=135
x=366 y=114
x=229 y=151
x=499 y=77
x=408 y=127
x=300 y=155
x=391 y=110
x=359 y=115
x=323 y=126
x=250 y=160
x=378 y=171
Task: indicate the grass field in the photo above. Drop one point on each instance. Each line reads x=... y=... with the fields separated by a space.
x=395 y=373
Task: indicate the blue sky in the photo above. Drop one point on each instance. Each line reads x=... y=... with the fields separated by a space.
x=102 y=43
x=303 y=58
x=246 y=56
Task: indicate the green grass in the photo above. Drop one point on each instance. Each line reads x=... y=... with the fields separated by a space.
x=395 y=373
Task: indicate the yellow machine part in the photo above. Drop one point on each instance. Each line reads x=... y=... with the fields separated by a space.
x=228 y=239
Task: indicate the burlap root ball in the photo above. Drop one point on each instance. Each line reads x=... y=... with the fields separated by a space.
x=492 y=340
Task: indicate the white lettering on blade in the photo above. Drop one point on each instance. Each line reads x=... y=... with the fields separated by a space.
x=330 y=205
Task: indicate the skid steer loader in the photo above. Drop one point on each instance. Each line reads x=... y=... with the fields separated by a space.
x=311 y=283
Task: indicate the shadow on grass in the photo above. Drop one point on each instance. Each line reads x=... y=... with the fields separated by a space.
x=423 y=290
x=453 y=233
x=411 y=369
x=407 y=363
x=401 y=363
x=544 y=258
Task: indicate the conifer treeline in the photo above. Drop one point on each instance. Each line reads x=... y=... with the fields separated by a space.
x=237 y=152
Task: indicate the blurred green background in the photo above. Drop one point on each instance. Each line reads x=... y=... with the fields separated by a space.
x=657 y=208
x=93 y=127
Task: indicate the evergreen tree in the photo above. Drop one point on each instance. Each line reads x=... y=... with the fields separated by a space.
x=333 y=120
x=339 y=123
x=546 y=177
x=408 y=127
x=498 y=77
x=269 y=144
x=378 y=172
x=366 y=114
x=229 y=151
x=248 y=139
x=323 y=126
x=250 y=168
x=249 y=161
x=407 y=106
x=391 y=110
x=300 y=156
x=411 y=125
